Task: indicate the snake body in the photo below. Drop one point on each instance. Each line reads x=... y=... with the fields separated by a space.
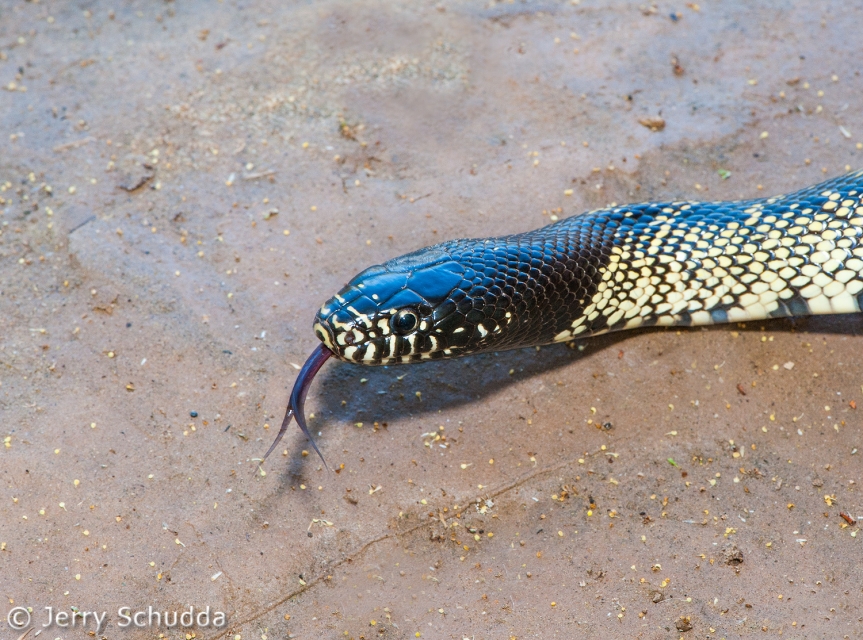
x=672 y=263
x=678 y=263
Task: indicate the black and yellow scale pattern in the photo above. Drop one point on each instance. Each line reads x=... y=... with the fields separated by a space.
x=676 y=263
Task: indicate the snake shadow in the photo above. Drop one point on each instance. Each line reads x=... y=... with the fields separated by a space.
x=348 y=393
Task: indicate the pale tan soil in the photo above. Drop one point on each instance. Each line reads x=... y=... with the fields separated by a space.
x=122 y=312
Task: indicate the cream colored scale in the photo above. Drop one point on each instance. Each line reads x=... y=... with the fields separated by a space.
x=690 y=267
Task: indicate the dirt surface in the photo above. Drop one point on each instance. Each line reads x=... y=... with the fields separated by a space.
x=184 y=183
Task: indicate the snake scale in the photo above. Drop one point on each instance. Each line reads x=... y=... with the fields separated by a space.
x=678 y=263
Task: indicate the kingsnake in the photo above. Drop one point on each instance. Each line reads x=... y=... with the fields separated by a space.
x=680 y=263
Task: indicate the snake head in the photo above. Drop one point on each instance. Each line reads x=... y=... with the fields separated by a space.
x=396 y=312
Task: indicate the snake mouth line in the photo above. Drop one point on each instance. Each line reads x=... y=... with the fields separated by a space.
x=297 y=402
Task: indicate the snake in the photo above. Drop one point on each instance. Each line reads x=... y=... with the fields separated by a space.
x=680 y=263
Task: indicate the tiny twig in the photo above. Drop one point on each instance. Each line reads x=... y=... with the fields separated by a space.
x=74 y=144
x=78 y=226
x=260 y=174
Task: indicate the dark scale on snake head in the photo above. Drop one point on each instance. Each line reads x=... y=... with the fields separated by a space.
x=671 y=264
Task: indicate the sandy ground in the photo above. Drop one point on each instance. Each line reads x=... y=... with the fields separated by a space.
x=183 y=184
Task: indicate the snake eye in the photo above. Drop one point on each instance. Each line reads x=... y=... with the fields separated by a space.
x=404 y=321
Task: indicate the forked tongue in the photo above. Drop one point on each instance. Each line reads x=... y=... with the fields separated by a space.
x=298 y=399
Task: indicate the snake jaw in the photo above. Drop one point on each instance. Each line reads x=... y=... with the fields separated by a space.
x=297 y=402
